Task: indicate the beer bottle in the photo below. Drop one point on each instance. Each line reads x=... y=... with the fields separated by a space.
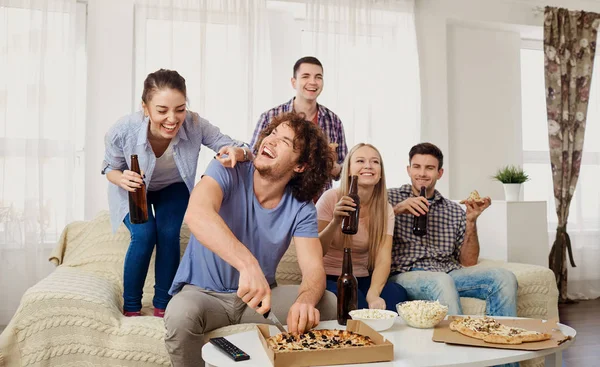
x=420 y=222
x=347 y=289
x=138 y=206
x=350 y=223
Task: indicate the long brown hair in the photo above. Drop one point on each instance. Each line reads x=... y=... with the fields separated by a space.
x=378 y=205
x=314 y=153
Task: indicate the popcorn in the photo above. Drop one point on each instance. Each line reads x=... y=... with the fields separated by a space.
x=422 y=314
x=371 y=314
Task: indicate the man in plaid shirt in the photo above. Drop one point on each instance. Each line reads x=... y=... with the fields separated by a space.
x=307 y=80
x=439 y=265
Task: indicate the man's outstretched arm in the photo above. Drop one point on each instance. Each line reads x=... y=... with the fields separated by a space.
x=205 y=223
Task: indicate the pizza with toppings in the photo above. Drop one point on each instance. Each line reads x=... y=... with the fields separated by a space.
x=473 y=196
x=491 y=331
x=318 y=339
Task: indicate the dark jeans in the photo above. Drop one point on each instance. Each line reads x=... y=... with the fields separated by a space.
x=162 y=229
x=392 y=293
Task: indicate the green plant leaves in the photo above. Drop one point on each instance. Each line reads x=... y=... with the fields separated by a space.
x=511 y=174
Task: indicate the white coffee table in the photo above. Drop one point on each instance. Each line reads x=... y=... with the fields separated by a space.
x=412 y=347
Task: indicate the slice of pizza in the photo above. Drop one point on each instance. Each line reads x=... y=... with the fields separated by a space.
x=491 y=331
x=473 y=196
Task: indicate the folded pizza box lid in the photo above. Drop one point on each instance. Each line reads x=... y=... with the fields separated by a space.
x=382 y=351
x=443 y=334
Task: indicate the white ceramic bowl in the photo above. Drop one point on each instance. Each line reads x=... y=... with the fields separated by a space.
x=422 y=314
x=378 y=320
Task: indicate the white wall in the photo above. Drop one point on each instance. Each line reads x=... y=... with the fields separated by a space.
x=484 y=107
x=110 y=87
x=470 y=80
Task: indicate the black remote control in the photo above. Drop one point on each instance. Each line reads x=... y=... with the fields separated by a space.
x=231 y=350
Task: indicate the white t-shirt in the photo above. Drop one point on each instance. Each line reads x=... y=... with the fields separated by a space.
x=165 y=171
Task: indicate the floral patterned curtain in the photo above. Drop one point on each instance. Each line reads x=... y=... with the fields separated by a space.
x=569 y=49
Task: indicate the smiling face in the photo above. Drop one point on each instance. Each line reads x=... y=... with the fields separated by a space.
x=166 y=110
x=308 y=81
x=277 y=157
x=366 y=164
x=423 y=171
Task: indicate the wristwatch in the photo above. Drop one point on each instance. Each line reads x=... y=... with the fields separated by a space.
x=245 y=154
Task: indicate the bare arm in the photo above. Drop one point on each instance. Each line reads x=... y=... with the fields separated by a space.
x=469 y=251
x=381 y=271
x=303 y=315
x=327 y=230
x=204 y=221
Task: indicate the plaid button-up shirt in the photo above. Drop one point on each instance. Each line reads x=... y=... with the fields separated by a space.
x=328 y=121
x=439 y=249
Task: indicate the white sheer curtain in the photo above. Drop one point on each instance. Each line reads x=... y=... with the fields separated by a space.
x=237 y=58
x=584 y=214
x=39 y=104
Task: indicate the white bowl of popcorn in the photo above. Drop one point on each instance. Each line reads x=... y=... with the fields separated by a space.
x=422 y=314
x=378 y=320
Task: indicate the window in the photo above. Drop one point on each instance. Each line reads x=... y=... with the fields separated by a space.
x=237 y=59
x=585 y=206
x=42 y=120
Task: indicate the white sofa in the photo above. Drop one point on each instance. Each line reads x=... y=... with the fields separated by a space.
x=73 y=317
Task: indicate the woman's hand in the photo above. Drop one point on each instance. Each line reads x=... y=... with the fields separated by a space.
x=376 y=302
x=130 y=180
x=230 y=155
x=342 y=207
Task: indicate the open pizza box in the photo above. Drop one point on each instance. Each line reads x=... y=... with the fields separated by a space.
x=383 y=350
x=442 y=333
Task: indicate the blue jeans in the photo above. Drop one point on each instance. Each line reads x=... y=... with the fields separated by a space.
x=497 y=287
x=162 y=229
x=391 y=293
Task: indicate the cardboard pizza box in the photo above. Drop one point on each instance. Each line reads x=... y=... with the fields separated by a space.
x=382 y=351
x=442 y=333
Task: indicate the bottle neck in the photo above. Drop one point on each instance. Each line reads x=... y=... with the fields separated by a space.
x=347 y=263
x=135 y=165
x=353 y=185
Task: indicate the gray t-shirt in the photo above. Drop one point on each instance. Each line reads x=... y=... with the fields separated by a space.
x=267 y=233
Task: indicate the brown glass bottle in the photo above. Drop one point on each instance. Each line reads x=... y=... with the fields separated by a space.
x=138 y=206
x=420 y=222
x=350 y=223
x=347 y=289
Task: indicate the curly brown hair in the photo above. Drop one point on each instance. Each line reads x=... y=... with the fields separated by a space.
x=314 y=153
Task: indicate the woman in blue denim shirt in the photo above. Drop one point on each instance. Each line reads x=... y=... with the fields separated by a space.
x=167 y=139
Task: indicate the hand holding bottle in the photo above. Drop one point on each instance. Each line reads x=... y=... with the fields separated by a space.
x=131 y=180
x=416 y=206
x=342 y=209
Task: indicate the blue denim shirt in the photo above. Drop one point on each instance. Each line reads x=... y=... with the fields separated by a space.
x=130 y=136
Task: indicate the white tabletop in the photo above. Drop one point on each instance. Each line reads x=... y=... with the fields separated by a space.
x=412 y=347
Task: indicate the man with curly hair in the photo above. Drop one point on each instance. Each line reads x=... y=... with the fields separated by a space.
x=242 y=221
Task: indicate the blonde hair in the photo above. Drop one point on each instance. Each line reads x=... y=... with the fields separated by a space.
x=378 y=205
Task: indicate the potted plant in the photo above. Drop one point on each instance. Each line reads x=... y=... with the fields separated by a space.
x=512 y=177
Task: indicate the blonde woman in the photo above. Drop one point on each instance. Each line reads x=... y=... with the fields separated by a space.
x=372 y=245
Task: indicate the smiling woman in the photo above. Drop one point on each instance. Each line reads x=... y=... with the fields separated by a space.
x=174 y=136
x=372 y=245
